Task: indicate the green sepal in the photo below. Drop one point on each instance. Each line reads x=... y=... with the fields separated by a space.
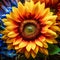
x=53 y=49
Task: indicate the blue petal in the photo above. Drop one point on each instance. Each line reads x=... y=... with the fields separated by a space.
x=3 y=16
x=6 y=7
x=0 y=35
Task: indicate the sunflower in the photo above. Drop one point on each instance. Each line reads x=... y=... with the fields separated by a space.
x=29 y=27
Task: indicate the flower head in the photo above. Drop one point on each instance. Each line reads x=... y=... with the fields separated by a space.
x=29 y=28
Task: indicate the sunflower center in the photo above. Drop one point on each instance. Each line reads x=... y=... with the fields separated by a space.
x=29 y=29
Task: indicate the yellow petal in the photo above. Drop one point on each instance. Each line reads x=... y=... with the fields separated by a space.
x=4 y=20
x=36 y=49
x=52 y=33
x=53 y=18
x=4 y=37
x=9 y=40
x=15 y=11
x=42 y=38
x=36 y=9
x=33 y=54
x=45 y=12
x=19 y=51
x=10 y=46
x=12 y=34
x=33 y=45
x=5 y=31
x=9 y=23
x=16 y=47
x=51 y=41
x=43 y=50
x=9 y=16
x=42 y=6
x=29 y=6
x=40 y=10
x=45 y=44
x=39 y=43
x=16 y=42
x=54 y=41
x=21 y=9
x=11 y=27
x=44 y=29
x=27 y=54
x=55 y=28
x=22 y=44
x=28 y=47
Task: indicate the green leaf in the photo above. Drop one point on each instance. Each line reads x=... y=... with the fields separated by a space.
x=53 y=49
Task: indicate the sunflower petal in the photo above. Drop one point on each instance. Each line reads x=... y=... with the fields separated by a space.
x=10 y=46
x=43 y=50
x=29 y=5
x=22 y=44
x=19 y=50
x=12 y=34
x=36 y=49
x=17 y=41
x=33 y=45
x=39 y=43
x=28 y=47
x=33 y=54
x=16 y=47
x=45 y=44
x=27 y=54
x=21 y=9
x=9 y=41
x=52 y=33
x=55 y=28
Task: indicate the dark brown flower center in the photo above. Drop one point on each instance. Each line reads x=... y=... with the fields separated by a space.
x=29 y=29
